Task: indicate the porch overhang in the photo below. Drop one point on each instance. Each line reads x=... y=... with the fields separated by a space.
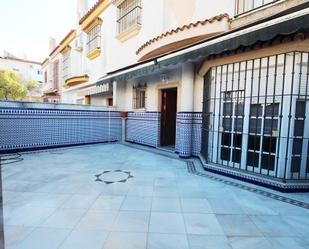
x=229 y=41
x=105 y=89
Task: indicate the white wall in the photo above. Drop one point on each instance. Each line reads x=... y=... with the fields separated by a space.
x=125 y=92
x=152 y=92
x=121 y=54
x=116 y=54
x=178 y=13
x=99 y=100
x=120 y=99
x=77 y=63
x=70 y=97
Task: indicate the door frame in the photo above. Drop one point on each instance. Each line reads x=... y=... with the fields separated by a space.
x=163 y=86
x=160 y=89
x=168 y=123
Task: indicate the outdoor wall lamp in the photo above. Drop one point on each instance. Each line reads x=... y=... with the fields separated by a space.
x=164 y=78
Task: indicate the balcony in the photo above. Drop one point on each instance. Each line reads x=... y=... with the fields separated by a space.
x=245 y=6
x=182 y=37
x=248 y=12
x=129 y=24
x=76 y=80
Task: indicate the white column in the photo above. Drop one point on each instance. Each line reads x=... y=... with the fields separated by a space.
x=187 y=87
x=115 y=94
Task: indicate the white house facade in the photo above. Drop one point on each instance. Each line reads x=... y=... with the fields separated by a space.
x=227 y=84
x=107 y=37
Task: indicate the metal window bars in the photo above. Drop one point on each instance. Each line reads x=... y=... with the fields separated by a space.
x=129 y=14
x=255 y=116
x=94 y=38
x=66 y=65
x=245 y=6
x=56 y=74
x=139 y=96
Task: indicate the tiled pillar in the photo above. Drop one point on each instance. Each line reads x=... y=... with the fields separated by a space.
x=184 y=117
x=184 y=134
x=196 y=133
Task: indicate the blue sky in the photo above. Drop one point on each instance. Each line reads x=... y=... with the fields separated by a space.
x=26 y=25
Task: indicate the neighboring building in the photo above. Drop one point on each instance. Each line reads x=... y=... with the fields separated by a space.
x=51 y=68
x=27 y=70
x=228 y=84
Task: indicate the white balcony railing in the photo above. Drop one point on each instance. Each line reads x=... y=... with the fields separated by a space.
x=244 y=6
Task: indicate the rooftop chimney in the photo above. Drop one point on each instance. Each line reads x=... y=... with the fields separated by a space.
x=82 y=8
x=8 y=54
x=52 y=44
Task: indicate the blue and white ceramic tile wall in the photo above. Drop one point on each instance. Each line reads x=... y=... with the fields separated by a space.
x=27 y=128
x=39 y=128
x=144 y=128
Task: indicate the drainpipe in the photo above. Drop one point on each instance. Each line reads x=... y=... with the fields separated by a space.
x=185 y=116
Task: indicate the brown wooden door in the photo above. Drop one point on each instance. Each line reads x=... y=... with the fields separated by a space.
x=168 y=116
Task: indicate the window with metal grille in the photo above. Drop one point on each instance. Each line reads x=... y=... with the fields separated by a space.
x=129 y=14
x=66 y=65
x=298 y=133
x=139 y=96
x=268 y=134
x=56 y=74
x=244 y=6
x=232 y=125
x=94 y=38
x=262 y=140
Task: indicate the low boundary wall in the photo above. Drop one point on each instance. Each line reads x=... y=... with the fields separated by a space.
x=32 y=126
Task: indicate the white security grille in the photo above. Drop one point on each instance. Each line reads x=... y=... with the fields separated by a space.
x=129 y=14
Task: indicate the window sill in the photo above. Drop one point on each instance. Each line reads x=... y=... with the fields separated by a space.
x=94 y=54
x=129 y=33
